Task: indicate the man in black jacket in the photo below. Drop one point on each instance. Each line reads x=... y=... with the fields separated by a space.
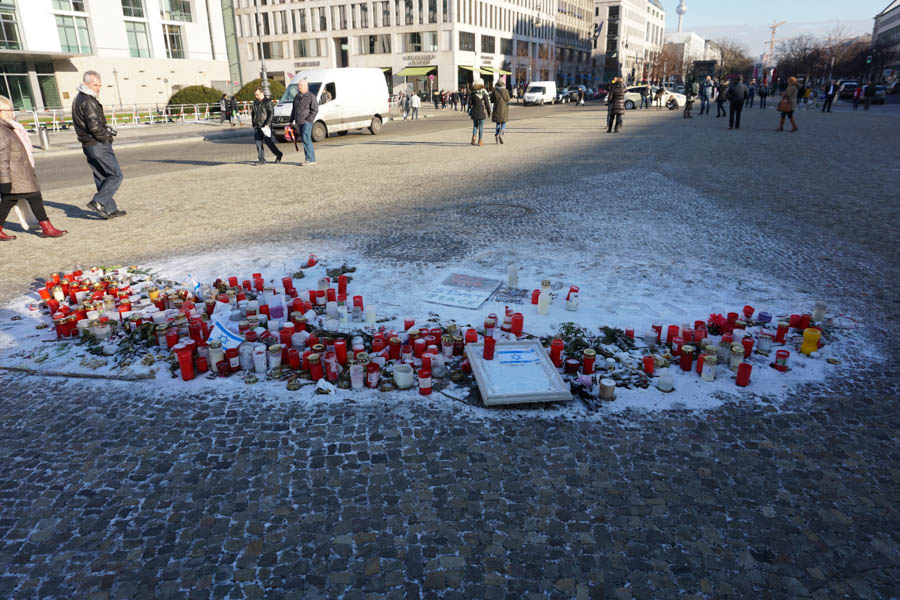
x=96 y=139
x=303 y=116
x=831 y=90
x=737 y=94
x=261 y=115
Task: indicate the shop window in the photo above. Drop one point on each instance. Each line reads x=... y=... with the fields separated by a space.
x=467 y=41
x=174 y=41
x=487 y=44
x=73 y=34
x=138 y=46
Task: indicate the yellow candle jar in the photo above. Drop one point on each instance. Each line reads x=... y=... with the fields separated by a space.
x=810 y=340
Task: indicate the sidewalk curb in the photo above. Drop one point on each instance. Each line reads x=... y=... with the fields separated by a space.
x=38 y=153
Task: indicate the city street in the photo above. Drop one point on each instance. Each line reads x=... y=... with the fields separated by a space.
x=116 y=490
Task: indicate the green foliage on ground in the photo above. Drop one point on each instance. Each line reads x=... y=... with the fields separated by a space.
x=246 y=93
x=196 y=94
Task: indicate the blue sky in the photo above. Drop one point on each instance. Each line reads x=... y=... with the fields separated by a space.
x=747 y=21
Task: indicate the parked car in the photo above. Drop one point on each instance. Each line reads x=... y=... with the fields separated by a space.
x=880 y=93
x=562 y=96
x=601 y=92
x=845 y=92
x=573 y=92
x=670 y=99
x=540 y=92
x=349 y=98
x=894 y=88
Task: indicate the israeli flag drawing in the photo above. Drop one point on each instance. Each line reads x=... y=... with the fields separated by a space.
x=224 y=335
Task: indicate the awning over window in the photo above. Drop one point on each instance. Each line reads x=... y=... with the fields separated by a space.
x=415 y=71
x=483 y=70
x=496 y=70
x=385 y=69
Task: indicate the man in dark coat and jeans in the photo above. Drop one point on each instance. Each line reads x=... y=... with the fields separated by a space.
x=261 y=116
x=736 y=96
x=96 y=139
x=303 y=116
x=615 y=99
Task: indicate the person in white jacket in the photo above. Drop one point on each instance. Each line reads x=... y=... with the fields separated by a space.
x=414 y=103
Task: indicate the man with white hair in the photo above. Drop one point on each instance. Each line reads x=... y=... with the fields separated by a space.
x=96 y=139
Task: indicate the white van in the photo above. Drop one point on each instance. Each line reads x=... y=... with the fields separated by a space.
x=349 y=98
x=540 y=92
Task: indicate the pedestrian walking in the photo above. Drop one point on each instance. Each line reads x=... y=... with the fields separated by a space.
x=235 y=111
x=18 y=180
x=751 y=92
x=788 y=103
x=763 y=94
x=831 y=90
x=454 y=99
x=500 y=113
x=581 y=97
x=303 y=116
x=869 y=94
x=615 y=101
x=857 y=96
x=414 y=103
x=404 y=104
x=479 y=110
x=96 y=139
x=224 y=109
x=707 y=90
x=737 y=95
x=261 y=118
x=645 y=96
x=721 y=96
x=690 y=92
x=435 y=99
x=660 y=94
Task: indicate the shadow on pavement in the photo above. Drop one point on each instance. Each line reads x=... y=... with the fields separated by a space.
x=74 y=212
x=200 y=163
x=398 y=143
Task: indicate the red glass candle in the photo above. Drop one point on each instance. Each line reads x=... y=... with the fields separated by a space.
x=373 y=375
x=535 y=296
x=315 y=369
x=437 y=333
x=304 y=359
x=699 y=336
x=184 y=362
x=342 y=285
x=293 y=360
x=171 y=338
x=587 y=361
x=781 y=358
x=426 y=360
x=465 y=366
x=425 y=382
x=419 y=346
x=700 y=363
x=747 y=341
x=471 y=335
x=44 y=293
x=312 y=298
x=408 y=323
x=312 y=260
x=630 y=333
x=518 y=323
x=732 y=317
x=677 y=343
x=571 y=366
x=259 y=284
x=340 y=351
x=687 y=359
x=53 y=305
x=743 y=374
x=805 y=321
x=748 y=312
x=573 y=289
x=232 y=282
x=234 y=360
x=284 y=336
x=406 y=353
x=331 y=295
x=794 y=321
x=223 y=369
x=688 y=335
x=332 y=369
x=202 y=364
x=649 y=364
x=251 y=336
x=489 y=344
x=395 y=344
x=358 y=301
x=658 y=329
x=671 y=332
x=321 y=298
x=781 y=332
x=556 y=350
x=312 y=340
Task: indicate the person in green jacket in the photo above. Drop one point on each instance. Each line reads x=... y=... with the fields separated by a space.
x=500 y=114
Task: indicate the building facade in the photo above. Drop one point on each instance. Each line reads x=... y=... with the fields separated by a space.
x=630 y=40
x=886 y=42
x=423 y=45
x=691 y=48
x=143 y=49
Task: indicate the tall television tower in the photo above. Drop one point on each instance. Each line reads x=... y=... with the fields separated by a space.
x=680 y=10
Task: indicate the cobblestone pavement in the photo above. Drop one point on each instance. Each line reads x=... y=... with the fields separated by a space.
x=115 y=492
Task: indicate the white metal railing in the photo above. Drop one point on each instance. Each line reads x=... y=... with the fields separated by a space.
x=136 y=115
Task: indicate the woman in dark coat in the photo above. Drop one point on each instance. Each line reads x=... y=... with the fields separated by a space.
x=479 y=110
x=790 y=98
x=17 y=178
x=500 y=99
x=615 y=99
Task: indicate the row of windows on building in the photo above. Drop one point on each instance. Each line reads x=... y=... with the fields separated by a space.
x=382 y=13
x=75 y=36
x=544 y=6
x=417 y=41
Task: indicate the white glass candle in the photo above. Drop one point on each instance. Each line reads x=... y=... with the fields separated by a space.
x=259 y=359
x=572 y=302
x=245 y=352
x=543 y=307
x=403 y=376
x=331 y=309
x=607 y=389
x=370 y=314
x=710 y=362
x=356 y=377
x=512 y=276
x=274 y=356
x=819 y=312
x=666 y=382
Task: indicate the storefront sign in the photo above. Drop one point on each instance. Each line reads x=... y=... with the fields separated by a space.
x=419 y=59
x=309 y=63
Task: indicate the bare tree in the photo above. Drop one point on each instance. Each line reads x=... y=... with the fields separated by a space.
x=734 y=58
x=671 y=60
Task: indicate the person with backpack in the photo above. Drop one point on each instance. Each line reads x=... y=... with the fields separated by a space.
x=479 y=110
x=500 y=114
x=303 y=116
x=763 y=94
x=737 y=95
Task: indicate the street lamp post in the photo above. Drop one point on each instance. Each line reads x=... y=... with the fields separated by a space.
x=118 y=93
x=263 y=75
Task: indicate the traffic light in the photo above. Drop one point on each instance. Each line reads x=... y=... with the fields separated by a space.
x=869 y=59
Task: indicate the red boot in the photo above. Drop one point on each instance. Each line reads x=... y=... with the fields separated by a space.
x=48 y=230
x=4 y=237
